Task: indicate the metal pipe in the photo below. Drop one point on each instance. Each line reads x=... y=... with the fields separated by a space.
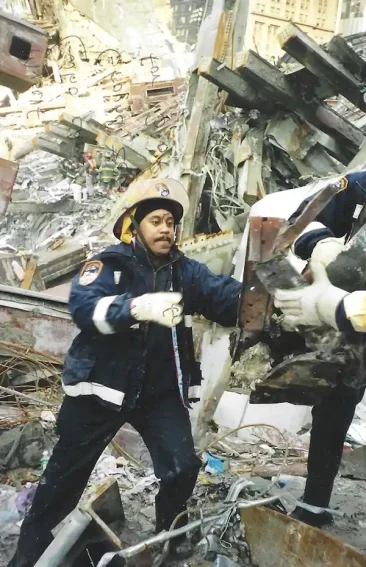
x=160 y=538
x=236 y=488
x=260 y=502
x=166 y=536
x=65 y=539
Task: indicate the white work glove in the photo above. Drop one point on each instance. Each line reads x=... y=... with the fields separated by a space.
x=326 y=251
x=161 y=307
x=313 y=305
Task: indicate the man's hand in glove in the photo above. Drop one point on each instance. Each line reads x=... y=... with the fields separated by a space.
x=314 y=305
x=326 y=251
x=162 y=308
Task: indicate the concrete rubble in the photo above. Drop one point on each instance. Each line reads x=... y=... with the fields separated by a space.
x=234 y=129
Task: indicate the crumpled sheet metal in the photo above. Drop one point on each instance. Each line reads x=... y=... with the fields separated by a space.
x=292 y=135
x=278 y=540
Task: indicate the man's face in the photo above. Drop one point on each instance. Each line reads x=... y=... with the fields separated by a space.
x=158 y=230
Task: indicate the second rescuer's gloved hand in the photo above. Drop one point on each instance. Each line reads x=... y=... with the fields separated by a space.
x=326 y=251
x=161 y=307
x=313 y=305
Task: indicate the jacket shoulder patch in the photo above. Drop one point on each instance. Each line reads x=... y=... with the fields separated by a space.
x=90 y=272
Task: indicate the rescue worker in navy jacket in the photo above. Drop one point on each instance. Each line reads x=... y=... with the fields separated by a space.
x=319 y=304
x=133 y=361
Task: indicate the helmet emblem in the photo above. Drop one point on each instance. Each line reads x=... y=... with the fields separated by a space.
x=162 y=189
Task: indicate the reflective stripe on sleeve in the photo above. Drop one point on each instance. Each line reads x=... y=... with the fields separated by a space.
x=100 y=315
x=194 y=392
x=355 y=309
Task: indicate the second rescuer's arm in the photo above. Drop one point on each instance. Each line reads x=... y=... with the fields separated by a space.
x=322 y=303
x=334 y=221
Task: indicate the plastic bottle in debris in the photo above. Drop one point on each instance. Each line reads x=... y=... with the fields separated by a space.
x=289 y=481
x=44 y=460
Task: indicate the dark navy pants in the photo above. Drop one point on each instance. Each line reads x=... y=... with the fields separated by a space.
x=331 y=420
x=85 y=428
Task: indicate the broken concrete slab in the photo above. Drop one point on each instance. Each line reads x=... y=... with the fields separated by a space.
x=64 y=205
x=353 y=464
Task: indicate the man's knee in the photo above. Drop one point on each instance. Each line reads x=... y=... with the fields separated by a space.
x=183 y=474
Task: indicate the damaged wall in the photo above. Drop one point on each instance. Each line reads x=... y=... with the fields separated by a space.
x=125 y=16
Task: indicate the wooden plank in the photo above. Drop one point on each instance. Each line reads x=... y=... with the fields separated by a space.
x=305 y=50
x=264 y=76
x=343 y=52
x=29 y=272
x=231 y=82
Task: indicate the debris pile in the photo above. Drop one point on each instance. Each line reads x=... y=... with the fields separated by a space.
x=291 y=128
x=91 y=99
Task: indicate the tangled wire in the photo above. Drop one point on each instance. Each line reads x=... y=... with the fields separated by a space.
x=28 y=378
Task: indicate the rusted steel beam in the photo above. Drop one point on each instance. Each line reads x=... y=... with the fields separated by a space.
x=305 y=50
x=343 y=52
x=243 y=94
x=273 y=83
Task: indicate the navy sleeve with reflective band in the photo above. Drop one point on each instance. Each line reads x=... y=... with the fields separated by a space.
x=337 y=216
x=94 y=303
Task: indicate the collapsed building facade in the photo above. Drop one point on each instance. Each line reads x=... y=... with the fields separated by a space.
x=239 y=129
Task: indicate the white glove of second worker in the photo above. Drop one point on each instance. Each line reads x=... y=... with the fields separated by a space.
x=326 y=251
x=161 y=307
x=313 y=305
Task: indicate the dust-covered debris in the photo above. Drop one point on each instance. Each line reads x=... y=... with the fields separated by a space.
x=252 y=366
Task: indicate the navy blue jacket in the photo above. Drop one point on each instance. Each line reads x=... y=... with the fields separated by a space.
x=337 y=219
x=110 y=356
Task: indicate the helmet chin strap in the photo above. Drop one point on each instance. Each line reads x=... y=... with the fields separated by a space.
x=141 y=236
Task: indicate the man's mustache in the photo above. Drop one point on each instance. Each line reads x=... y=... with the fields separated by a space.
x=163 y=239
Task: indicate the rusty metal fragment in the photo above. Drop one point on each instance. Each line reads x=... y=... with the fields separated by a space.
x=278 y=540
x=22 y=52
